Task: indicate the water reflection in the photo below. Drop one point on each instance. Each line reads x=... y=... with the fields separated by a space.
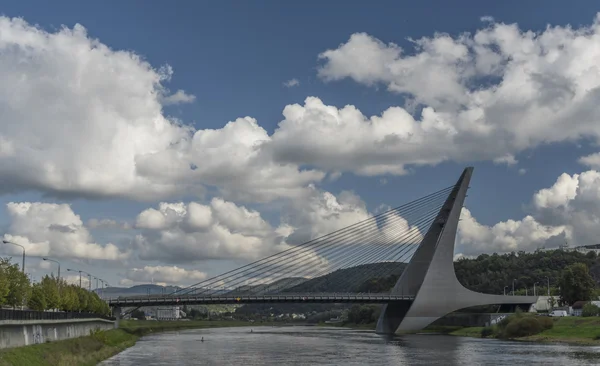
x=337 y=346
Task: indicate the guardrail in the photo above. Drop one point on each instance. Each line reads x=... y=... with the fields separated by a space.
x=9 y=314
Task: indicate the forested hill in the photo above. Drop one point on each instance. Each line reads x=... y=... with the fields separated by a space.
x=486 y=273
x=490 y=273
x=364 y=278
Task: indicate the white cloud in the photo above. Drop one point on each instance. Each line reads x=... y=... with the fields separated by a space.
x=506 y=159
x=54 y=230
x=181 y=232
x=74 y=280
x=488 y=95
x=100 y=130
x=179 y=97
x=507 y=236
x=172 y=275
x=565 y=212
x=522 y=171
x=487 y=19
x=291 y=83
x=592 y=160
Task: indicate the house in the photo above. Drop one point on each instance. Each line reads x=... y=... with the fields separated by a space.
x=578 y=307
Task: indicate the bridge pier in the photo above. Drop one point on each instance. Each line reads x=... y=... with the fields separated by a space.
x=117 y=315
x=430 y=276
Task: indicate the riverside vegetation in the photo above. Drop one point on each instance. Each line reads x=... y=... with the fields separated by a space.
x=49 y=294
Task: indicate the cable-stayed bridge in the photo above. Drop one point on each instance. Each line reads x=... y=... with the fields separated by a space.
x=409 y=249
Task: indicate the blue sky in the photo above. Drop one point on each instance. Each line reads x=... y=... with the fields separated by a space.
x=234 y=58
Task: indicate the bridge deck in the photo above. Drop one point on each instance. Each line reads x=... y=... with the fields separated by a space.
x=253 y=299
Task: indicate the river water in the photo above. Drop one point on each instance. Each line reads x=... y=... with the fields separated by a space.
x=304 y=345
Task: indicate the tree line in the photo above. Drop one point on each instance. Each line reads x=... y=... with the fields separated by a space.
x=49 y=294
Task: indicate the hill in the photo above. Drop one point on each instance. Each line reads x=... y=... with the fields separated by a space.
x=491 y=273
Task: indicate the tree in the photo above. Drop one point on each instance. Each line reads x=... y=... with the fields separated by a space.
x=139 y=314
x=49 y=286
x=69 y=301
x=576 y=284
x=18 y=284
x=4 y=283
x=37 y=300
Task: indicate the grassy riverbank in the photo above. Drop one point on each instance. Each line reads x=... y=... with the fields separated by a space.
x=81 y=351
x=99 y=346
x=572 y=330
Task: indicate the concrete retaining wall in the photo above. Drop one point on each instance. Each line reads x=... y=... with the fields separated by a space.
x=17 y=333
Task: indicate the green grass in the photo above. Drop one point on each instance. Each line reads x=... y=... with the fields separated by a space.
x=574 y=330
x=468 y=332
x=571 y=330
x=81 y=351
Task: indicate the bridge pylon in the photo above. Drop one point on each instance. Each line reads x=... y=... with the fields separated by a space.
x=430 y=276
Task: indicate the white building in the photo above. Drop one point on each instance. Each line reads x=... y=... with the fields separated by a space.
x=170 y=313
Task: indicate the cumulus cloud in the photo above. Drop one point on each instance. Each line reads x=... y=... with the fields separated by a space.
x=172 y=275
x=54 y=230
x=291 y=83
x=566 y=212
x=485 y=96
x=181 y=232
x=487 y=19
x=100 y=130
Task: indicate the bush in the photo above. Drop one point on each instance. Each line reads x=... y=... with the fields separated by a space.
x=487 y=332
x=590 y=310
x=524 y=326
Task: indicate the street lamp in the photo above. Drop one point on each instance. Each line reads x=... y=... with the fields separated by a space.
x=89 y=281
x=10 y=242
x=57 y=262
x=534 y=293
x=513 y=283
x=76 y=270
x=548 y=279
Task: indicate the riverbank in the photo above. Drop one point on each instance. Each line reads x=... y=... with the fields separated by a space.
x=92 y=349
x=569 y=330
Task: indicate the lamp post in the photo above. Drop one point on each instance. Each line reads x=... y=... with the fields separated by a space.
x=513 y=285
x=76 y=270
x=57 y=262
x=19 y=245
x=534 y=293
x=505 y=287
x=548 y=279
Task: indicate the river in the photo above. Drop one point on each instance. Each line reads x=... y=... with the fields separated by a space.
x=339 y=346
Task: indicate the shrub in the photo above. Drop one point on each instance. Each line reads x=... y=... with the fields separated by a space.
x=590 y=309
x=525 y=326
x=546 y=322
x=487 y=332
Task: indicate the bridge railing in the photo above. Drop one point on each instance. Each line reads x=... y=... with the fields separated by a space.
x=276 y=297
x=9 y=314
